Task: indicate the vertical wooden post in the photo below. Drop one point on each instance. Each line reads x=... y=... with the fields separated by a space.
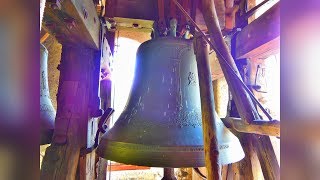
x=62 y=156
x=208 y=109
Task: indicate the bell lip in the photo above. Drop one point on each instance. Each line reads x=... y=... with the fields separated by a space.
x=152 y=156
x=156 y=156
x=232 y=156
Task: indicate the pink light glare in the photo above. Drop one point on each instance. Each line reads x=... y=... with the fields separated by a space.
x=303 y=47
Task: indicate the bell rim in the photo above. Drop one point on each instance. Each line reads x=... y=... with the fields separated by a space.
x=152 y=155
x=164 y=156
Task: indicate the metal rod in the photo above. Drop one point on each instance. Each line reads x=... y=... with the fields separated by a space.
x=222 y=57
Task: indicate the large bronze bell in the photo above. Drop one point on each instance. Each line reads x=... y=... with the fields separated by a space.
x=161 y=124
x=47 y=112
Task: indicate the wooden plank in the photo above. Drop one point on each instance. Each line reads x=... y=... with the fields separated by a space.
x=76 y=23
x=261 y=37
x=133 y=24
x=124 y=167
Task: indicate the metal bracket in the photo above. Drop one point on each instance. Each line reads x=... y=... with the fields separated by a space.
x=101 y=128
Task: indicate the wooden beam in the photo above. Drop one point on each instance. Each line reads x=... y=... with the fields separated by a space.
x=211 y=149
x=76 y=23
x=133 y=24
x=71 y=123
x=268 y=128
x=261 y=37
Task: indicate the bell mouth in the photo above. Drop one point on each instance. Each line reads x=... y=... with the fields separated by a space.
x=152 y=155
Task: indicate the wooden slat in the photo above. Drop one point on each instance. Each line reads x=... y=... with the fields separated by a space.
x=261 y=37
x=76 y=23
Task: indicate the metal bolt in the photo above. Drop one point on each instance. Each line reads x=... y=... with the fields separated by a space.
x=70 y=22
x=135 y=25
x=85 y=13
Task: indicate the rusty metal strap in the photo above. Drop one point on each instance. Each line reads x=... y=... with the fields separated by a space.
x=101 y=129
